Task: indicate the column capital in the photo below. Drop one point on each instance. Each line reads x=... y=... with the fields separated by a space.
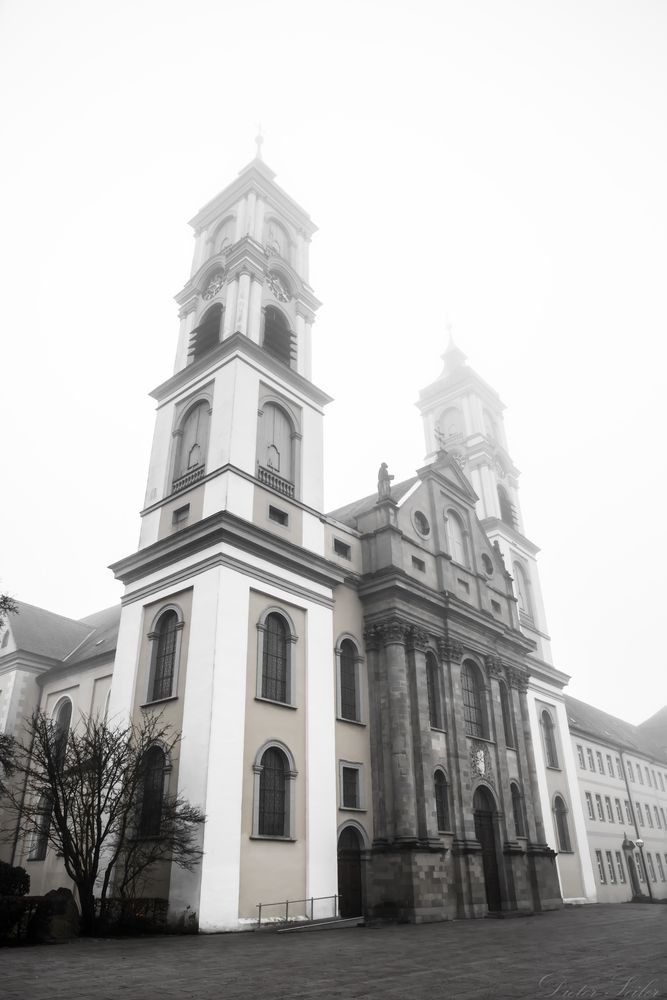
x=387 y=631
x=519 y=679
x=494 y=666
x=417 y=637
x=450 y=650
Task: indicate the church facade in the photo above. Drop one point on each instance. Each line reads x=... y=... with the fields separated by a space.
x=370 y=717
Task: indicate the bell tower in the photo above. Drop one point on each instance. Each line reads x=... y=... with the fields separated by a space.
x=231 y=564
x=463 y=415
x=240 y=415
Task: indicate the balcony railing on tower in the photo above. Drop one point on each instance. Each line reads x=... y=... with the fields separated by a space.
x=190 y=477
x=269 y=478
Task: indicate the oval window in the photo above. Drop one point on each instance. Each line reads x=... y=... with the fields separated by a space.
x=421 y=523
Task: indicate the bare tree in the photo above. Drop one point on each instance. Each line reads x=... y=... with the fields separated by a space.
x=96 y=796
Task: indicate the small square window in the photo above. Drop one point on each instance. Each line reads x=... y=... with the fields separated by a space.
x=341 y=549
x=180 y=516
x=418 y=564
x=278 y=515
x=464 y=585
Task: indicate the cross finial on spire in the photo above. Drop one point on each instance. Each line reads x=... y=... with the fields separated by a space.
x=259 y=139
x=448 y=328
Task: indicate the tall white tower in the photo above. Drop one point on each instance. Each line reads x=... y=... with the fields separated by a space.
x=230 y=574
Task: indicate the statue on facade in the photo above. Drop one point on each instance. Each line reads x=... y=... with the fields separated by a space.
x=384 y=483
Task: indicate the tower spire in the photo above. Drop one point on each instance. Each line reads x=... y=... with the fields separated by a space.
x=259 y=139
x=453 y=357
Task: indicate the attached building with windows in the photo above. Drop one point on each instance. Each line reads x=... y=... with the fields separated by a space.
x=622 y=771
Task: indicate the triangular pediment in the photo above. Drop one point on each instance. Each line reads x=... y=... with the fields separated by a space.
x=446 y=467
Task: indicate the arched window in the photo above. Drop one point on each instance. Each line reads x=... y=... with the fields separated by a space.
x=473 y=700
x=441 y=801
x=277 y=239
x=562 y=831
x=349 y=663
x=508 y=719
x=40 y=834
x=276 y=659
x=41 y=819
x=277 y=339
x=164 y=659
x=517 y=811
x=152 y=792
x=549 y=736
x=275 y=451
x=435 y=713
x=192 y=442
x=62 y=718
x=207 y=335
x=456 y=537
x=506 y=509
x=450 y=423
x=490 y=426
x=521 y=590
x=274 y=810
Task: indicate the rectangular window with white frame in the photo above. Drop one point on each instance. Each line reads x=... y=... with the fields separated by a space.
x=610 y=868
x=600 y=864
x=661 y=870
x=620 y=868
x=610 y=766
x=619 y=810
x=600 y=809
x=589 y=805
x=591 y=759
x=351 y=785
x=600 y=761
x=580 y=755
x=610 y=811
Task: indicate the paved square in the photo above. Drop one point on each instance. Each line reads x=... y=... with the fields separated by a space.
x=591 y=953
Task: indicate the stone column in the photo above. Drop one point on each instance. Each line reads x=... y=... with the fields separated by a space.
x=494 y=668
x=451 y=654
x=527 y=768
x=378 y=712
x=396 y=720
x=426 y=823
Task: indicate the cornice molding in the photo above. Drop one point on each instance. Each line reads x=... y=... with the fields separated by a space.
x=227 y=528
x=241 y=346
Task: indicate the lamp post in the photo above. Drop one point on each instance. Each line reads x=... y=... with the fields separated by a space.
x=640 y=844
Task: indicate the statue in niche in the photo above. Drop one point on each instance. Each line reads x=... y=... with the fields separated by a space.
x=384 y=482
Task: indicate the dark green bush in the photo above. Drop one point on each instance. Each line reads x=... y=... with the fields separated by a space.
x=14 y=881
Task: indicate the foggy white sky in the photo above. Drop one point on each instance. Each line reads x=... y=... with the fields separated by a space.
x=502 y=164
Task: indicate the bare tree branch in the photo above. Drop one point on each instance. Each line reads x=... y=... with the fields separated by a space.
x=81 y=793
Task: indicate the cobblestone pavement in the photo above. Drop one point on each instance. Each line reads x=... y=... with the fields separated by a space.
x=605 y=952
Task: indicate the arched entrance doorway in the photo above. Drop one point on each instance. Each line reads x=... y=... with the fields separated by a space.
x=484 y=809
x=349 y=873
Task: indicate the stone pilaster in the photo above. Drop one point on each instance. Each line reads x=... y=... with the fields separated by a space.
x=426 y=823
